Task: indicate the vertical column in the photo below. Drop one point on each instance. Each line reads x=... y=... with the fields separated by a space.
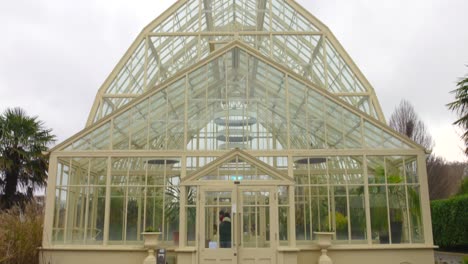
x=292 y=217
x=183 y=217
x=108 y=202
x=367 y=202
x=50 y=204
x=87 y=194
x=425 y=203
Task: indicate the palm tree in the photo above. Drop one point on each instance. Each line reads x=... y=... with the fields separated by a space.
x=460 y=106
x=23 y=164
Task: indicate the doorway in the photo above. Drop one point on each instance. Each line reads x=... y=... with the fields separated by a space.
x=238 y=224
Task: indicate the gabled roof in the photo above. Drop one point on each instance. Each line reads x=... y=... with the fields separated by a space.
x=239 y=164
x=288 y=109
x=191 y=30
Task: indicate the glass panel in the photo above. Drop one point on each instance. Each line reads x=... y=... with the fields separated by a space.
x=357 y=213
x=121 y=131
x=376 y=170
x=79 y=171
x=379 y=214
x=191 y=213
x=98 y=171
x=398 y=214
x=322 y=207
x=96 y=210
x=76 y=217
x=411 y=169
x=134 y=214
x=139 y=129
x=237 y=169
x=218 y=220
x=63 y=171
x=119 y=171
x=376 y=137
x=303 y=209
x=192 y=195
x=117 y=214
x=154 y=207
x=283 y=195
x=212 y=227
x=59 y=214
x=283 y=224
x=171 y=211
x=255 y=219
x=414 y=204
x=340 y=218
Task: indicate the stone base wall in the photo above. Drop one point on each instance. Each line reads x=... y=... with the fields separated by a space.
x=373 y=256
x=341 y=256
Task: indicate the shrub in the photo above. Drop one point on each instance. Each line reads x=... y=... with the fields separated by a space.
x=464 y=187
x=21 y=234
x=449 y=223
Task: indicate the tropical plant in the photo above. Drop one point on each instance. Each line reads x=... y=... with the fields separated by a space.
x=397 y=203
x=172 y=207
x=460 y=106
x=173 y=203
x=23 y=164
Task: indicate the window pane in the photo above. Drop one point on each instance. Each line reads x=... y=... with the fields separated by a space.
x=283 y=224
x=414 y=204
x=357 y=213
x=398 y=214
x=379 y=216
x=340 y=218
x=96 y=211
x=117 y=214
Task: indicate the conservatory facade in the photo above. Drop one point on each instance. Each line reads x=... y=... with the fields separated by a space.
x=248 y=112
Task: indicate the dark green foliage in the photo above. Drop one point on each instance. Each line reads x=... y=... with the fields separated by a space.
x=450 y=223
x=23 y=164
x=150 y=229
x=460 y=106
x=464 y=187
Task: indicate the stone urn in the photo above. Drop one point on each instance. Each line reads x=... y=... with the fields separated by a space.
x=324 y=242
x=151 y=242
x=151 y=239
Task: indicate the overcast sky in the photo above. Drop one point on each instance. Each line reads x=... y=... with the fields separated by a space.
x=55 y=54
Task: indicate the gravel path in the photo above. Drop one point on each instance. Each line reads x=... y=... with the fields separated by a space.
x=448 y=257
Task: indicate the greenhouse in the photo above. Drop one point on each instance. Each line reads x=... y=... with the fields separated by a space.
x=246 y=112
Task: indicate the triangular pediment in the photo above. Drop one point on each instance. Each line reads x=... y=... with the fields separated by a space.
x=219 y=104
x=237 y=166
x=191 y=30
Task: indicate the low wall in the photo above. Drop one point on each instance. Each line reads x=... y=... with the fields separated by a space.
x=304 y=256
x=371 y=256
x=70 y=256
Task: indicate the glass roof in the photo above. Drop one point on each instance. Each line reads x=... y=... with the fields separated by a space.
x=277 y=29
x=237 y=100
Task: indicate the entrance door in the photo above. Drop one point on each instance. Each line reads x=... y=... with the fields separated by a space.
x=238 y=225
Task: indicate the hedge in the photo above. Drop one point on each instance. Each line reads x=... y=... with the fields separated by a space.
x=450 y=223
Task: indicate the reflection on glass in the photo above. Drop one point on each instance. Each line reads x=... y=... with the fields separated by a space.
x=218 y=222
